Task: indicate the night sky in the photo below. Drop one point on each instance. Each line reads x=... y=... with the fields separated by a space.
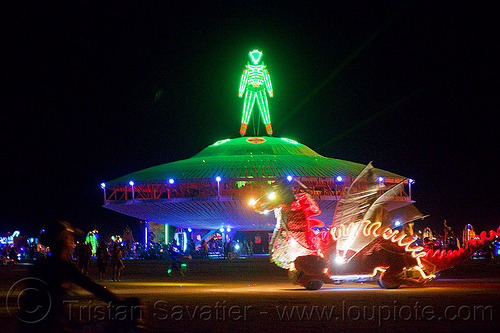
x=94 y=92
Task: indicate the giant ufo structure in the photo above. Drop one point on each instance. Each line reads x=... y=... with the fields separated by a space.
x=212 y=189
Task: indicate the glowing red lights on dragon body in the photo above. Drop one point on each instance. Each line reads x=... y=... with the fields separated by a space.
x=443 y=259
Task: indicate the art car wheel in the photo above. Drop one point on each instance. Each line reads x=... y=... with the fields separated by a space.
x=313 y=284
x=388 y=283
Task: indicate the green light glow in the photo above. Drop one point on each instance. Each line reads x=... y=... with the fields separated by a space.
x=254 y=83
x=255 y=55
x=92 y=240
x=167 y=236
x=221 y=142
x=290 y=141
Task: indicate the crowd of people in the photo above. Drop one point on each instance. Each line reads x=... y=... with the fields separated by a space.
x=213 y=248
x=13 y=254
x=9 y=254
x=108 y=254
x=230 y=248
x=105 y=254
x=111 y=254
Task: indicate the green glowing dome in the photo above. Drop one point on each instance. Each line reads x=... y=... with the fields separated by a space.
x=248 y=158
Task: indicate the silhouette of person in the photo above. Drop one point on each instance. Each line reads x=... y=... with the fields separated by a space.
x=102 y=259
x=44 y=303
x=84 y=254
x=116 y=261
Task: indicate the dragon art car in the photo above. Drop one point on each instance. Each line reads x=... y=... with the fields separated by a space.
x=362 y=244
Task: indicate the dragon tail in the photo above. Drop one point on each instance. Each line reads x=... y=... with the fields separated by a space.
x=444 y=259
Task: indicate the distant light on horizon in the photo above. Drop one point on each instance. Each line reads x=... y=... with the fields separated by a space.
x=289 y=178
x=339 y=179
x=171 y=181
x=218 y=179
x=131 y=183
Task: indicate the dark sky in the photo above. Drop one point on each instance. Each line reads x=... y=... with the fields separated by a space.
x=94 y=92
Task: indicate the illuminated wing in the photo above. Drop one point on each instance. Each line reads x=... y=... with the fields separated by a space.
x=358 y=198
x=353 y=205
x=366 y=199
x=380 y=211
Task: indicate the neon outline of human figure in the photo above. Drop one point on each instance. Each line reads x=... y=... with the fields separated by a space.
x=255 y=80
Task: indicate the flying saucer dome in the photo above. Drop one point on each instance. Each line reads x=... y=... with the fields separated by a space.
x=246 y=159
x=186 y=193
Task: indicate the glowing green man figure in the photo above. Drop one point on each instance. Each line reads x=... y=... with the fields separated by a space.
x=254 y=82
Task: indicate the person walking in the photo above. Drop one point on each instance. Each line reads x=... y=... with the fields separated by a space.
x=13 y=255
x=84 y=254
x=204 y=249
x=102 y=260
x=116 y=261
